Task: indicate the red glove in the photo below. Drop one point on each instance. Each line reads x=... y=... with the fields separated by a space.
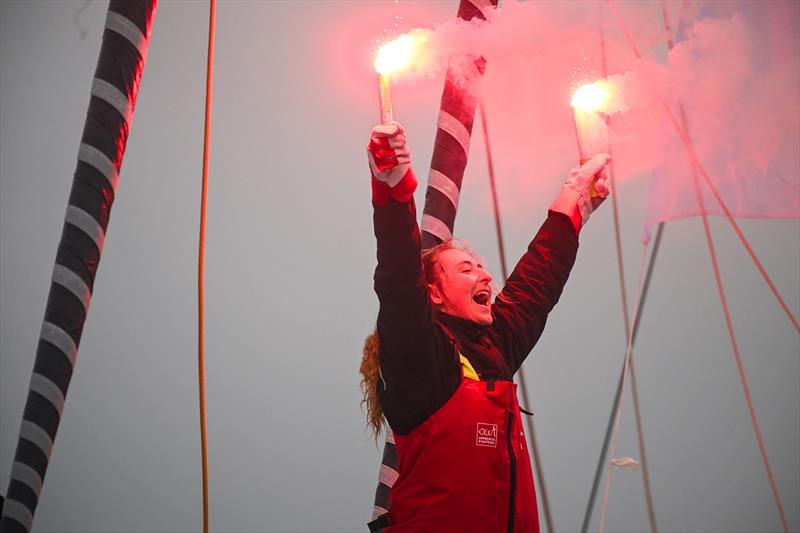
x=390 y=163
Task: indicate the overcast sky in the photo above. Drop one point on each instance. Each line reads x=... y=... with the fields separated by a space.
x=290 y=257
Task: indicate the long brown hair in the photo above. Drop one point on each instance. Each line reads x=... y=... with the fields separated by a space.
x=370 y=374
x=370 y=357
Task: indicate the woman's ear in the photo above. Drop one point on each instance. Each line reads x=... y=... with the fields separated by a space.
x=436 y=294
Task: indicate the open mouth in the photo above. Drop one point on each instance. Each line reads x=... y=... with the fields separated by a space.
x=482 y=297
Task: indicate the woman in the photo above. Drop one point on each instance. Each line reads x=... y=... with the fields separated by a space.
x=439 y=367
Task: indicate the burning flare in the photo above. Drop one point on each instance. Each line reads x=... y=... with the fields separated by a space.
x=396 y=55
x=590 y=97
x=392 y=57
x=591 y=129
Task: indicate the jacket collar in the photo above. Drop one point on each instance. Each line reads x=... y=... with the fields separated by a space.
x=462 y=329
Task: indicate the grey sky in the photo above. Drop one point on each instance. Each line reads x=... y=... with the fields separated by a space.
x=289 y=296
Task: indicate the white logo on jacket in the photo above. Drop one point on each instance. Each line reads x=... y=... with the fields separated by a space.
x=486 y=435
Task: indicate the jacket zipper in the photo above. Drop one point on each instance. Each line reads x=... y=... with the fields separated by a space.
x=513 y=461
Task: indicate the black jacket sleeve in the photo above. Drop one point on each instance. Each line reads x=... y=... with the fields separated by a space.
x=420 y=369
x=533 y=289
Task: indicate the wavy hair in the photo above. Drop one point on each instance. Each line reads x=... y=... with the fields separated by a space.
x=370 y=356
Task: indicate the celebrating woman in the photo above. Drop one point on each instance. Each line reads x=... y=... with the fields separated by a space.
x=439 y=368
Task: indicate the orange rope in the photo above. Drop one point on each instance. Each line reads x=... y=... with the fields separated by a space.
x=698 y=167
x=201 y=263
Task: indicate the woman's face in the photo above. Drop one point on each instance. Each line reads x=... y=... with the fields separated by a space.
x=464 y=289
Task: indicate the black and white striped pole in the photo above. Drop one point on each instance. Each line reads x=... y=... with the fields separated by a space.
x=453 y=133
x=450 y=154
x=105 y=133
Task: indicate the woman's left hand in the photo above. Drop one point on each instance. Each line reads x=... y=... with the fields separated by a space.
x=585 y=189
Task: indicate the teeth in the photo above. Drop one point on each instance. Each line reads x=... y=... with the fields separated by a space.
x=482 y=297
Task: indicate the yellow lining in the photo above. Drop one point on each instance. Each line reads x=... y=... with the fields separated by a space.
x=466 y=368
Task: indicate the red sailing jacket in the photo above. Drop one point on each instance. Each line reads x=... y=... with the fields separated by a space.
x=466 y=468
x=463 y=463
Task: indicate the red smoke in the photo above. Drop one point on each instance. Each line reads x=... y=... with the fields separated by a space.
x=734 y=69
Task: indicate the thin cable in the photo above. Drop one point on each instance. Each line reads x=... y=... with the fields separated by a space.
x=613 y=190
x=698 y=167
x=651 y=513
x=601 y=461
x=504 y=271
x=625 y=368
x=495 y=204
x=667 y=26
x=612 y=182
x=739 y=364
x=537 y=463
x=201 y=262
x=648 y=494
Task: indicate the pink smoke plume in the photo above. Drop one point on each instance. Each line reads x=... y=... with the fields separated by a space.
x=734 y=69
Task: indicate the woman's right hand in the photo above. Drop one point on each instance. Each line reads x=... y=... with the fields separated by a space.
x=390 y=164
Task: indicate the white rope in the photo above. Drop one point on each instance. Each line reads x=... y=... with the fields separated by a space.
x=628 y=354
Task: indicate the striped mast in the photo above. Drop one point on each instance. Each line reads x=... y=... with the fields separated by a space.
x=449 y=159
x=451 y=146
x=108 y=120
x=387 y=476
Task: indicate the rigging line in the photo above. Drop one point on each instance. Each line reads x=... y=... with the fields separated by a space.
x=504 y=270
x=667 y=26
x=625 y=367
x=739 y=364
x=495 y=205
x=697 y=166
x=735 y=225
x=79 y=24
x=651 y=514
x=201 y=261
x=609 y=426
x=649 y=276
x=613 y=189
